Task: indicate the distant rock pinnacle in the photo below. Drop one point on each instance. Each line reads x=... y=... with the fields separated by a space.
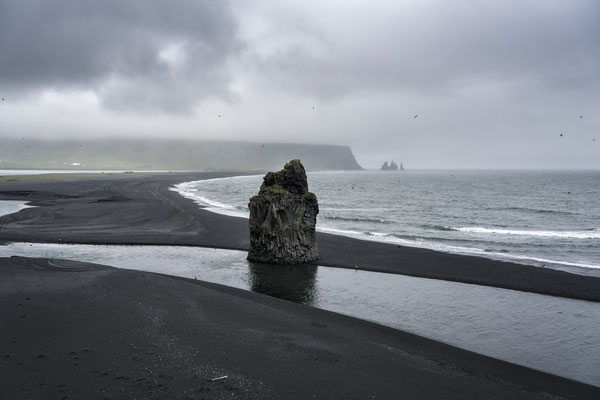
x=391 y=167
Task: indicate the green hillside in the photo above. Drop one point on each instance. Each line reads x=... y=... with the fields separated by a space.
x=169 y=155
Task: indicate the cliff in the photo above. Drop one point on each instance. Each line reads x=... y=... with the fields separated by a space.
x=174 y=154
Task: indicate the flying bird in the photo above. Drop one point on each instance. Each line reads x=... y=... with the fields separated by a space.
x=416 y=115
x=313 y=107
x=581 y=116
x=561 y=135
x=219 y=115
x=262 y=146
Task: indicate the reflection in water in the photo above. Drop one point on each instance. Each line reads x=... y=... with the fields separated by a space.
x=290 y=282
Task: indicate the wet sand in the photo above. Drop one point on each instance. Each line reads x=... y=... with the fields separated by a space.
x=78 y=330
x=139 y=209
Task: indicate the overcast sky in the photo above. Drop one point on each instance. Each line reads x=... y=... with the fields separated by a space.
x=494 y=83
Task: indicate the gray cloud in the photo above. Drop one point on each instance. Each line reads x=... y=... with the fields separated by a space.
x=494 y=83
x=439 y=47
x=137 y=53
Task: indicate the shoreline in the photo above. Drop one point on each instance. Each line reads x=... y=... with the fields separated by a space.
x=140 y=210
x=88 y=329
x=218 y=207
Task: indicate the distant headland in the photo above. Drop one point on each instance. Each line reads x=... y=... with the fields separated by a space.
x=169 y=154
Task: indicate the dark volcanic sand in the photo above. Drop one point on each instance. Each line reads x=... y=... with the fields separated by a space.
x=79 y=331
x=134 y=209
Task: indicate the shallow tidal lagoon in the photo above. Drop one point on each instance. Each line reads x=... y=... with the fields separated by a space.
x=552 y=334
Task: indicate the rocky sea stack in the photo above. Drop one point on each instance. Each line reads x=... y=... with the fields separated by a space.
x=391 y=167
x=283 y=216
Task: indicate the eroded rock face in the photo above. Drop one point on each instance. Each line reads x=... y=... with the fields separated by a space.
x=282 y=218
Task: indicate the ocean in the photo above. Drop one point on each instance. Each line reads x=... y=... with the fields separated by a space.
x=544 y=218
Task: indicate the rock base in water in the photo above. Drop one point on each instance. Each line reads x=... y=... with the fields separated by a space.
x=283 y=216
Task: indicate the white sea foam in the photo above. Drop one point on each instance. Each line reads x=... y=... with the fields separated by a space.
x=544 y=260
x=340 y=231
x=188 y=190
x=590 y=234
x=227 y=178
x=192 y=191
x=378 y=234
x=423 y=244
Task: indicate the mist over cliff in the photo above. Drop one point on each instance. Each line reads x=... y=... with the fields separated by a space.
x=155 y=154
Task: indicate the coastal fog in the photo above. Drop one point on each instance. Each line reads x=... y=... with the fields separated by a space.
x=172 y=154
x=433 y=84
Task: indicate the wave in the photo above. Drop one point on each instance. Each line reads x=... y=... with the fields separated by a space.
x=593 y=233
x=187 y=190
x=438 y=228
x=533 y=210
x=544 y=261
x=501 y=254
x=340 y=231
x=586 y=234
x=227 y=178
x=485 y=240
x=441 y=239
x=356 y=219
x=353 y=209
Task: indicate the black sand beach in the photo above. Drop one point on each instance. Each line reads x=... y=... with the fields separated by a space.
x=140 y=209
x=77 y=330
